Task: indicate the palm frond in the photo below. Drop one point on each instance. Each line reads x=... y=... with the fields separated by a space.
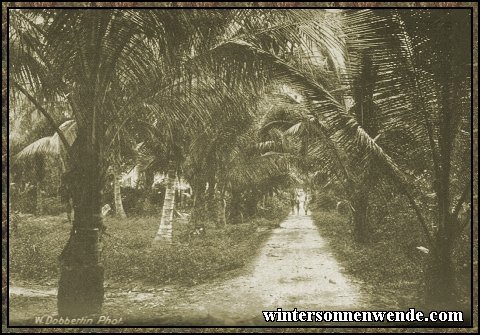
x=51 y=145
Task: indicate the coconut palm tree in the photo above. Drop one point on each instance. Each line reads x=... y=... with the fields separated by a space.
x=53 y=146
x=102 y=62
x=161 y=150
x=107 y=63
x=40 y=150
x=423 y=71
x=436 y=50
x=421 y=76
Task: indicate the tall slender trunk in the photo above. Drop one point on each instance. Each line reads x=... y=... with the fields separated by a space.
x=38 y=199
x=219 y=209
x=198 y=212
x=40 y=177
x=164 y=232
x=149 y=177
x=361 y=229
x=440 y=274
x=235 y=212
x=117 y=194
x=80 y=288
x=221 y=220
x=178 y=198
x=212 y=209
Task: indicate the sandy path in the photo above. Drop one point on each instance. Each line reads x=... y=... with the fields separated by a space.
x=295 y=269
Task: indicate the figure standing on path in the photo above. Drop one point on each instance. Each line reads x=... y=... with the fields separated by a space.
x=297 y=201
x=292 y=202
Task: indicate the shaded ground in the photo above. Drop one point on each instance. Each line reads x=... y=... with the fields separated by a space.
x=295 y=269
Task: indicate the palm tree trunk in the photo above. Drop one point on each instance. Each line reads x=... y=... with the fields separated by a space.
x=164 y=232
x=117 y=194
x=361 y=231
x=224 y=207
x=80 y=288
x=39 y=199
x=40 y=177
x=221 y=220
x=212 y=205
x=149 y=177
x=178 y=198
x=198 y=211
x=440 y=275
x=235 y=212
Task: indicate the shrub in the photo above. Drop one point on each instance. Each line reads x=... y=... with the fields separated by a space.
x=130 y=255
x=390 y=267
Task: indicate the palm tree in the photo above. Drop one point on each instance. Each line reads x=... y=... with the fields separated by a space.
x=421 y=76
x=40 y=150
x=107 y=63
x=162 y=152
x=53 y=146
x=227 y=163
x=424 y=72
x=117 y=194
x=314 y=149
x=437 y=53
x=210 y=146
x=102 y=62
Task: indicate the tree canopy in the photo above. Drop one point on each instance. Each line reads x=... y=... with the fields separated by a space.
x=246 y=103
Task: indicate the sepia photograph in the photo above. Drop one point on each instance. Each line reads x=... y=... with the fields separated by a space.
x=241 y=165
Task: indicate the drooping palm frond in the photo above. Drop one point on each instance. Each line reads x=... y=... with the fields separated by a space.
x=44 y=145
x=321 y=54
x=396 y=105
x=51 y=145
x=314 y=151
x=436 y=48
x=348 y=133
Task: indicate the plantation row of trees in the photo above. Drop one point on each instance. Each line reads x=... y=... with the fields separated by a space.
x=244 y=103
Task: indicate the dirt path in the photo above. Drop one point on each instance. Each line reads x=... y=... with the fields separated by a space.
x=295 y=269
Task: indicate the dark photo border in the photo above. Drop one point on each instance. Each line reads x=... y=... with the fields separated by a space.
x=473 y=6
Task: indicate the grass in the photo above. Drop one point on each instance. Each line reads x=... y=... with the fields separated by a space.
x=390 y=266
x=130 y=255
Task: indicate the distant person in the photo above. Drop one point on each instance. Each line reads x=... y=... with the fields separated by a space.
x=292 y=202
x=297 y=203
